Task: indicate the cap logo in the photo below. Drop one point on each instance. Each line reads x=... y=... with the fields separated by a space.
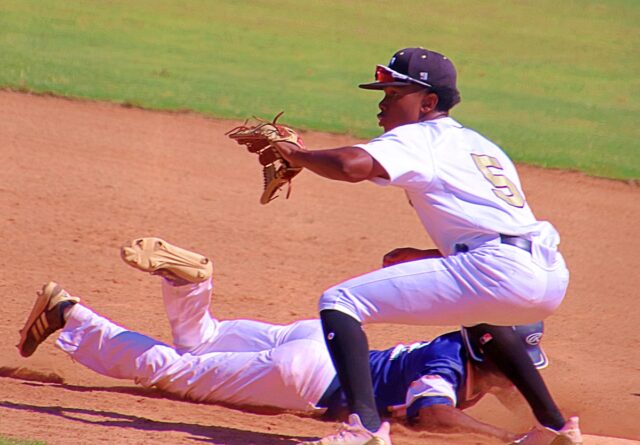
x=486 y=338
x=533 y=339
x=423 y=76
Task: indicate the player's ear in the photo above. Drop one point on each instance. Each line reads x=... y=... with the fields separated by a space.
x=429 y=102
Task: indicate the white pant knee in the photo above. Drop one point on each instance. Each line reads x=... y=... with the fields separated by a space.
x=340 y=299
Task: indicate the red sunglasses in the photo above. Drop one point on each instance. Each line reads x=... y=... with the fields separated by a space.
x=384 y=74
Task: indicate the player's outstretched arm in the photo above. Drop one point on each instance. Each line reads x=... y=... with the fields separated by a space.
x=447 y=419
x=350 y=164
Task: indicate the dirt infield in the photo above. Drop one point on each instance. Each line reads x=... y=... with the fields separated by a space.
x=78 y=179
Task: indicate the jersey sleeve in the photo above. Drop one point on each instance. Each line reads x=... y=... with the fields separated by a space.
x=442 y=374
x=405 y=155
x=429 y=390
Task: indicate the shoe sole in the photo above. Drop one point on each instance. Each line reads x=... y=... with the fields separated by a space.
x=155 y=256
x=38 y=314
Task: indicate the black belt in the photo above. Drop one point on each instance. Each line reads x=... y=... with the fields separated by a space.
x=512 y=240
x=517 y=241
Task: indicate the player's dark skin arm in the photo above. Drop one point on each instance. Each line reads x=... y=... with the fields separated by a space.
x=447 y=419
x=350 y=164
x=400 y=106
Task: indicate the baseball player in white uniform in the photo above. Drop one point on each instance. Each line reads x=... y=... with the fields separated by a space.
x=495 y=264
x=250 y=363
x=241 y=362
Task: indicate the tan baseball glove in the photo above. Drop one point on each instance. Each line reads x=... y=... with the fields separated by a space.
x=259 y=138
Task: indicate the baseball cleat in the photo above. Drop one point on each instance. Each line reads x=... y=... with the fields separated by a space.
x=159 y=257
x=354 y=433
x=45 y=318
x=569 y=434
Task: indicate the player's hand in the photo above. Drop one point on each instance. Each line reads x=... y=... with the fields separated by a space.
x=533 y=437
x=404 y=254
x=288 y=150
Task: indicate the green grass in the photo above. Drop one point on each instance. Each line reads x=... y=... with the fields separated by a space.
x=555 y=83
x=9 y=441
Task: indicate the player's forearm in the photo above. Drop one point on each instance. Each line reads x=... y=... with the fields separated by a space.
x=343 y=164
x=446 y=419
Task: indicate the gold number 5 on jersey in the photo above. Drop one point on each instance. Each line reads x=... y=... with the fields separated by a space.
x=504 y=188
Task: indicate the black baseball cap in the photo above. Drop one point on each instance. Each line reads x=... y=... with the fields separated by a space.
x=531 y=334
x=416 y=66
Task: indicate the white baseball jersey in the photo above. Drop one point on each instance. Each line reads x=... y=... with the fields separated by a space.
x=465 y=191
x=463 y=187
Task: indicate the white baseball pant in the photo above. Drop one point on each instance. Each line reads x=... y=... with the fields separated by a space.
x=241 y=362
x=493 y=283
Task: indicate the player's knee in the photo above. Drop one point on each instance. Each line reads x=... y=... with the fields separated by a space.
x=333 y=297
x=326 y=298
x=342 y=300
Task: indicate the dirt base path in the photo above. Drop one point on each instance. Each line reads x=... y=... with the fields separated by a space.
x=78 y=179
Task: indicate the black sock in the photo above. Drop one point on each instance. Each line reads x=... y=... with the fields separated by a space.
x=509 y=354
x=60 y=309
x=349 y=349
